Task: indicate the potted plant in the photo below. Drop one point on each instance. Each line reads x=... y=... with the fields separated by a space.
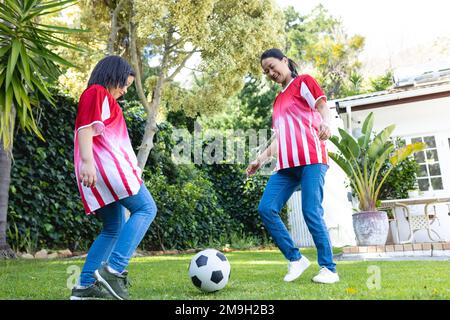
x=362 y=159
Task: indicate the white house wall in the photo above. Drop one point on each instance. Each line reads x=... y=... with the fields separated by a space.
x=410 y=118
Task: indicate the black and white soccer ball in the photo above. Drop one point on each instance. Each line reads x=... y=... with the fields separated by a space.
x=209 y=270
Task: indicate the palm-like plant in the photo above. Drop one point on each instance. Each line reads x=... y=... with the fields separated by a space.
x=363 y=159
x=27 y=65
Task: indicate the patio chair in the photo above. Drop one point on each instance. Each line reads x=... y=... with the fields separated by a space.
x=418 y=222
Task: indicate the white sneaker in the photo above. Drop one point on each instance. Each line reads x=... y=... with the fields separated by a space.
x=326 y=276
x=296 y=268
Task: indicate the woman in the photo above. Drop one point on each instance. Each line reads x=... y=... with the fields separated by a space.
x=109 y=180
x=301 y=120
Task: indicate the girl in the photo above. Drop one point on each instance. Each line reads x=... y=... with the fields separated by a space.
x=301 y=120
x=109 y=181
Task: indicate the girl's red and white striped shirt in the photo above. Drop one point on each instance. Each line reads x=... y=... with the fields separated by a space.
x=296 y=121
x=118 y=175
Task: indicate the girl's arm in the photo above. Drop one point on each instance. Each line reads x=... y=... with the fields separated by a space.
x=88 y=174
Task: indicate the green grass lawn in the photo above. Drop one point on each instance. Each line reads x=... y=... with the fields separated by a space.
x=254 y=275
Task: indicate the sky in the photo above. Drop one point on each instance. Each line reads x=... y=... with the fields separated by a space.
x=398 y=33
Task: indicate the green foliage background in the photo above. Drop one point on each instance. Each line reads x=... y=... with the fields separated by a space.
x=196 y=206
x=45 y=209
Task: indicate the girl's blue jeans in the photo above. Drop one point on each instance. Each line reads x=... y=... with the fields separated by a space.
x=119 y=239
x=280 y=187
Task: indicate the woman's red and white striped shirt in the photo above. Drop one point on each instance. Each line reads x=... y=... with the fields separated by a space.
x=296 y=121
x=118 y=175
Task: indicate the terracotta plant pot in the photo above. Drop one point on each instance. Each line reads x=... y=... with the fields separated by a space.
x=371 y=228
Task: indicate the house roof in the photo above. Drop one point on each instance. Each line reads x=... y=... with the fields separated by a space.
x=393 y=96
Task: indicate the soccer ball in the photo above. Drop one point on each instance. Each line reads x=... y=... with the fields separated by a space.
x=209 y=270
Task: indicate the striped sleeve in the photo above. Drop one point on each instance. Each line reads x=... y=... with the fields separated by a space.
x=311 y=91
x=93 y=109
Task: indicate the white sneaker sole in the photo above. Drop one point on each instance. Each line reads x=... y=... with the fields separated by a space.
x=325 y=281
x=84 y=298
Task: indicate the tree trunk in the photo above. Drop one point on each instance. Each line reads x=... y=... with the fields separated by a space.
x=147 y=141
x=151 y=108
x=150 y=127
x=114 y=27
x=5 y=179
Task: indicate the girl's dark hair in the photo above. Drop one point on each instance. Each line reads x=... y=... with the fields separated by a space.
x=111 y=72
x=278 y=54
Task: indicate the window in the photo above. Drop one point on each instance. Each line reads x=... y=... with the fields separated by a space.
x=429 y=176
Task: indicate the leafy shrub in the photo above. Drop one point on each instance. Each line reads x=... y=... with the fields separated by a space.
x=44 y=203
x=45 y=208
x=238 y=196
x=188 y=211
x=401 y=179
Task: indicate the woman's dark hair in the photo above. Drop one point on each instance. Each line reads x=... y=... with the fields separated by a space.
x=111 y=72
x=278 y=54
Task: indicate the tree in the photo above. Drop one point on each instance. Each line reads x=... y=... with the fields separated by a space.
x=27 y=63
x=107 y=22
x=382 y=82
x=223 y=38
x=319 y=43
x=302 y=31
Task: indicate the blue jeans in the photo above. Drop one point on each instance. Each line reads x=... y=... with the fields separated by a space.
x=279 y=189
x=119 y=239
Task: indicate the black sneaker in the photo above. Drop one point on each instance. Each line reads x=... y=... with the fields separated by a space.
x=116 y=284
x=93 y=292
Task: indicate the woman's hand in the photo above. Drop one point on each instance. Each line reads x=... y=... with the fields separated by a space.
x=324 y=131
x=88 y=175
x=253 y=167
